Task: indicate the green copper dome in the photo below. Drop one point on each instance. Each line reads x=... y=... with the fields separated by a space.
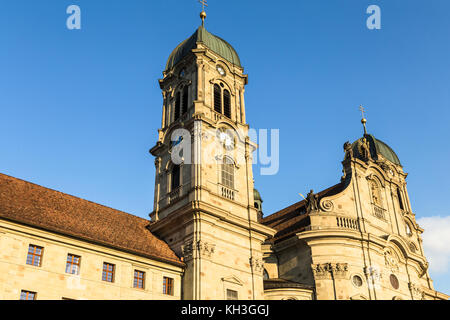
x=256 y=195
x=376 y=147
x=201 y=35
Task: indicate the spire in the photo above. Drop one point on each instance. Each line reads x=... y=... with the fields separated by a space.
x=203 y=13
x=363 y=120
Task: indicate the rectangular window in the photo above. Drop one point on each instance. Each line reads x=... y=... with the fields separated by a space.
x=73 y=264
x=34 y=256
x=232 y=295
x=108 y=272
x=139 y=279
x=27 y=295
x=168 y=286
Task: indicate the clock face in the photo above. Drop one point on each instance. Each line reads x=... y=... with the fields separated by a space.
x=226 y=138
x=221 y=70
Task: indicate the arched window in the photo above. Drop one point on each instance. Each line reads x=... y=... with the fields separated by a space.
x=177 y=106
x=175 y=181
x=185 y=99
x=408 y=229
x=376 y=193
x=226 y=103
x=217 y=98
x=166 y=115
x=265 y=275
x=400 y=201
x=228 y=173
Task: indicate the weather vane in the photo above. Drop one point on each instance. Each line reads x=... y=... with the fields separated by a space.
x=203 y=13
x=363 y=120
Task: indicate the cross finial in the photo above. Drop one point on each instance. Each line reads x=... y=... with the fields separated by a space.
x=204 y=4
x=363 y=120
x=361 y=108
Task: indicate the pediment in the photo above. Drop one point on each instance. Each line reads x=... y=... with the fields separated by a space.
x=233 y=280
x=358 y=297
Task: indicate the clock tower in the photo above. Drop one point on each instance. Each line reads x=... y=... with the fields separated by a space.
x=204 y=205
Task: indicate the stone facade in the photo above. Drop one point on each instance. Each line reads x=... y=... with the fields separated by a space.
x=362 y=243
x=210 y=222
x=356 y=240
x=51 y=282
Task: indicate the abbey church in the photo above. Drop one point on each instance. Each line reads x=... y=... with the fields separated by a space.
x=206 y=237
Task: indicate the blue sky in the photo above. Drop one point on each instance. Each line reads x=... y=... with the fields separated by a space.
x=80 y=109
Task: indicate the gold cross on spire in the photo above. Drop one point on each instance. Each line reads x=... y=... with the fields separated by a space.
x=203 y=13
x=363 y=120
x=204 y=4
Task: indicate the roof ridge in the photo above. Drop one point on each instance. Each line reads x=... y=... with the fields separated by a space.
x=297 y=205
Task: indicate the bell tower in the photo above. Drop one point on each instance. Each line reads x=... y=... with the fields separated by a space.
x=204 y=205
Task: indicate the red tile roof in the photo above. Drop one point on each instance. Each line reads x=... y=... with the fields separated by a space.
x=294 y=218
x=27 y=203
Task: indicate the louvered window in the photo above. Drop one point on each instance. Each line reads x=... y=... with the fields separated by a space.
x=175 y=177
x=185 y=99
x=226 y=103
x=217 y=98
x=177 y=106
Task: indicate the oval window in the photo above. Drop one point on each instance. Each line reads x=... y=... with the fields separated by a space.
x=357 y=281
x=394 y=281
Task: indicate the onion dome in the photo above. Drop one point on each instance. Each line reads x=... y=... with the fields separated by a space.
x=214 y=43
x=376 y=147
x=256 y=195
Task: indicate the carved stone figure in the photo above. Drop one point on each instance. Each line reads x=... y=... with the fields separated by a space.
x=416 y=291
x=326 y=270
x=198 y=248
x=365 y=149
x=312 y=202
x=257 y=264
x=348 y=150
x=391 y=261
